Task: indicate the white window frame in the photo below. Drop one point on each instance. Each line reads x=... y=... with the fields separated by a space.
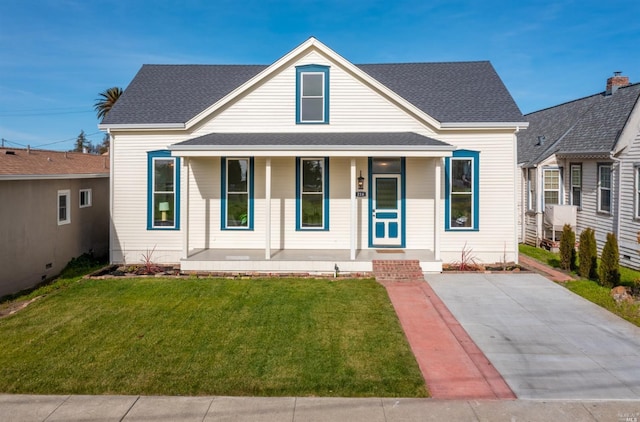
x=301 y=194
x=305 y=97
x=602 y=189
x=248 y=192
x=544 y=185
x=67 y=207
x=574 y=185
x=531 y=189
x=88 y=198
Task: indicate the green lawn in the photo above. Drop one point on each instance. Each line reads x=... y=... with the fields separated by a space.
x=263 y=337
x=590 y=289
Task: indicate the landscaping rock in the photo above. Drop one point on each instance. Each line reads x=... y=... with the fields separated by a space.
x=620 y=294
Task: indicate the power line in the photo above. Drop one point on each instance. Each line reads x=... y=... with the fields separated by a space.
x=49 y=143
x=11 y=113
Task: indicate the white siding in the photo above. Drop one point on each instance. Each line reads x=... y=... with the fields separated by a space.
x=629 y=224
x=495 y=239
x=588 y=216
x=420 y=190
x=270 y=107
x=130 y=237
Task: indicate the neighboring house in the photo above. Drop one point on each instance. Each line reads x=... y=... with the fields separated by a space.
x=53 y=207
x=586 y=153
x=313 y=164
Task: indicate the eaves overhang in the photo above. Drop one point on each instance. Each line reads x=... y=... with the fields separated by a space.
x=143 y=126
x=327 y=144
x=484 y=125
x=583 y=155
x=53 y=176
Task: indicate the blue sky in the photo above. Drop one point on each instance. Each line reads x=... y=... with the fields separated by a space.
x=57 y=55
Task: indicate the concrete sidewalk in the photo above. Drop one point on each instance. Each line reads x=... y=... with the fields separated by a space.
x=24 y=408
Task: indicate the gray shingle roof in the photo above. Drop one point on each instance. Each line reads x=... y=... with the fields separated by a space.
x=358 y=140
x=176 y=93
x=449 y=92
x=587 y=125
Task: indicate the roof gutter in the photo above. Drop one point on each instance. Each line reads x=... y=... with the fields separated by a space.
x=142 y=126
x=583 y=154
x=485 y=125
x=52 y=176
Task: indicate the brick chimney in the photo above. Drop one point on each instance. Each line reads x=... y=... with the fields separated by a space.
x=615 y=82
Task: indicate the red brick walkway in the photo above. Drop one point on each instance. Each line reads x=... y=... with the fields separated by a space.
x=452 y=365
x=545 y=270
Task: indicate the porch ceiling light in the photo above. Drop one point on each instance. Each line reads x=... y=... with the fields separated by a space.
x=360 y=181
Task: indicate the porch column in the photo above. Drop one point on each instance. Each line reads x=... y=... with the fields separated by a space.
x=437 y=224
x=354 y=217
x=267 y=210
x=185 y=209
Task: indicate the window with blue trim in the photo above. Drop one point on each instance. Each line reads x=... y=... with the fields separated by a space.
x=163 y=191
x=312 y=94
x=312 y=193
x=237 y=193
x=461 y=191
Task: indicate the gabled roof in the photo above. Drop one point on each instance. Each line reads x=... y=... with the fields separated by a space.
x=588 y=126
x=16 y=164
x=173 y=95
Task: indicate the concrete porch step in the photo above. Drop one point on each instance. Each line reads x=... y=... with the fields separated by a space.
x=397 y=270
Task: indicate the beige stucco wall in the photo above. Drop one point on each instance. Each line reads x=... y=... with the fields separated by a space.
x=31 y=238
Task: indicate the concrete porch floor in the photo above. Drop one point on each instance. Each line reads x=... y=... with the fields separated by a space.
x=301 y=260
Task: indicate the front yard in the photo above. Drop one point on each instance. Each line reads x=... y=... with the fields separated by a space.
x=259 y=337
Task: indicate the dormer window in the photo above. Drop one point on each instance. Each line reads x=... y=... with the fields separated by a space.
x=312 y=94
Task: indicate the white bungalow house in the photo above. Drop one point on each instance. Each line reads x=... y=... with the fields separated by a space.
x=313 y=163
x=586 y=153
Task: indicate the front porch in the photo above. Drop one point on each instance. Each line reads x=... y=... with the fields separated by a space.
x=302 y=260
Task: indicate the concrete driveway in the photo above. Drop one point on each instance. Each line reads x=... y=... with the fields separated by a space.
x=545 y=341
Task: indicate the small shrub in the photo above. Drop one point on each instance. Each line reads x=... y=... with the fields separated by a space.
x=588 y=255
x=468 y=260
x=609 y=271
x=568 y=248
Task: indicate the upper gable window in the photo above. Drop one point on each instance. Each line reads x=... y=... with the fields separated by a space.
x=312 y=94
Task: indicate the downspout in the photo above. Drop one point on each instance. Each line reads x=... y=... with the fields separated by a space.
x=111 y=228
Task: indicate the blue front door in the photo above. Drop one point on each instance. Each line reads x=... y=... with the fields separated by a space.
x=386 y=210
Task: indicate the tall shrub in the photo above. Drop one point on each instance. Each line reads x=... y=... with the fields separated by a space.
x=588 y=254
x=609 y=271
x=568 y=248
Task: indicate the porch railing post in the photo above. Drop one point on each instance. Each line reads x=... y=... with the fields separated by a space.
x=267 y=210
x=354 y=217
x=185 y=209
x=436 y=211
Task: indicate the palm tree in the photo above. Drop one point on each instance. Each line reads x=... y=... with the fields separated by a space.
x=106 y=101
